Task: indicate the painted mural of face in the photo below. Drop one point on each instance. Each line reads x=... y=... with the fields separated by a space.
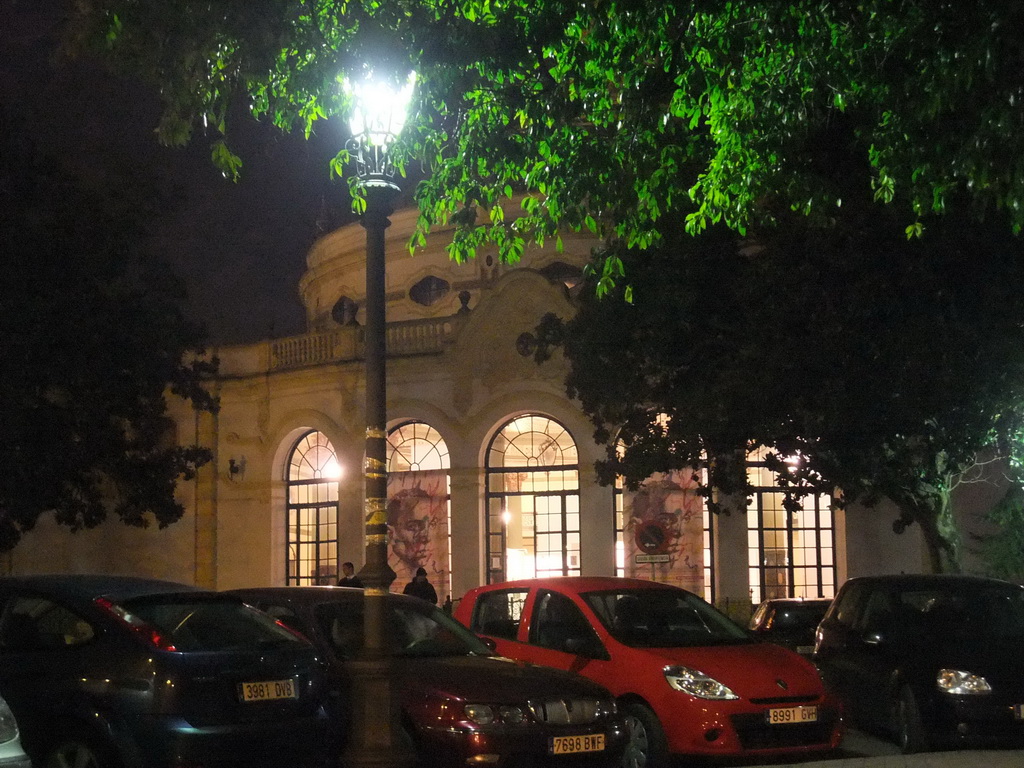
x=411 y=540
x=658 y=529
x=410 y=519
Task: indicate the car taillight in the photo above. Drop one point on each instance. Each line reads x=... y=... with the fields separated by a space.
x=149 y=634
x=292 y=630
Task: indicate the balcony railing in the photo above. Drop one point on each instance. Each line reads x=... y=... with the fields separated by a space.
x=404 y=338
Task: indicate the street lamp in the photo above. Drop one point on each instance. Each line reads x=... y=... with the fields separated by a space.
x=377 y=119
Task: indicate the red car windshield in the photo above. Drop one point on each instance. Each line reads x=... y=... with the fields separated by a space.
x=663 y=618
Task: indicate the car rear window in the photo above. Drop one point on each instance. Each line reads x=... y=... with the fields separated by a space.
x=410 y=630
x=207 y=624
x=499 y=613
x=798 y=615
x=663 y=618
x=32 y=623
x=986 y=612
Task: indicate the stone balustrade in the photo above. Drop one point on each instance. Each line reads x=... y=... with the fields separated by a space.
x=406 y=337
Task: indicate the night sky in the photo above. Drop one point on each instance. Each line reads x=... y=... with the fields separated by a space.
x=239 y=247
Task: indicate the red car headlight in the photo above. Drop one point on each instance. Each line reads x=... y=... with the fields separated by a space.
x=696 y=683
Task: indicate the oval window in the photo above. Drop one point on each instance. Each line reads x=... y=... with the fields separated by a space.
x=429 y=290
x=344 y=311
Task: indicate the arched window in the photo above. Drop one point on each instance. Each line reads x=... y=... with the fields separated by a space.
x=312 y=511
x=533 y=516
x=560 y=272
x=419 y=506
x=415 y=446
x=344 y=311
x=790 y=553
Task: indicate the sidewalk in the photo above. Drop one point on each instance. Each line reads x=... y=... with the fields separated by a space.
x=989 y=758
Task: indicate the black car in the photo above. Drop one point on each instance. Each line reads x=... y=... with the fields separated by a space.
x=789 y=621
x=461 y=705
x=931 y=660
x=107 y=671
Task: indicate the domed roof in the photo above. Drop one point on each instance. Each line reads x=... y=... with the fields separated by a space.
x=426 y=283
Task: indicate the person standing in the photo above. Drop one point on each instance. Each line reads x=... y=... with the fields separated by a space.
x=348 y=577
x=420 y=587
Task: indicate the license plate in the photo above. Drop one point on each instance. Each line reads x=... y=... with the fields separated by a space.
x=571 y=745
x=788 y=715
x=268 y=690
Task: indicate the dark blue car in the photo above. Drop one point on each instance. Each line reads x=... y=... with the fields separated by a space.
x=931 y=660
x=104 y=671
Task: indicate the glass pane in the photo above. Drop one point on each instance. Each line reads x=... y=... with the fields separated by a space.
x=754 y=574
x=752 y=518
x=572 y=521
x=753 y=556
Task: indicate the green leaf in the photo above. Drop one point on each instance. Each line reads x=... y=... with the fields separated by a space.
x=227 y=161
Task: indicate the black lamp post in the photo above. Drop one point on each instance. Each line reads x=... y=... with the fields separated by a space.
x=376 y=739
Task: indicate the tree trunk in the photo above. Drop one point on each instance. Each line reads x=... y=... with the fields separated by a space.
x=933 y=513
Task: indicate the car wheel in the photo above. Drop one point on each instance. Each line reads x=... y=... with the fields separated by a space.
x=647 y=747
x=78 y=752
x=910 y=735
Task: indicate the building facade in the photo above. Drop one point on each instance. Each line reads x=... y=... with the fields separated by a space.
x=491 y=466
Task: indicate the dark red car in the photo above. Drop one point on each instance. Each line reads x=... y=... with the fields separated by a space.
x=461 y=704
x=690 y=681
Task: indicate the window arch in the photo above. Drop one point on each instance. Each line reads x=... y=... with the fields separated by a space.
x=533 y=518
x=415 y=446
x=419 y=505
x=312 y=511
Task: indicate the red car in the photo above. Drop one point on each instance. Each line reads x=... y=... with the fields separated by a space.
x=462 y=706
x=690 y=681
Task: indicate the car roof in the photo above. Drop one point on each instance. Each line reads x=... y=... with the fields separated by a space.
x=581 y=584
x=308 y=594
x=931 y=580
x=91 y=586
x=783 y=601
